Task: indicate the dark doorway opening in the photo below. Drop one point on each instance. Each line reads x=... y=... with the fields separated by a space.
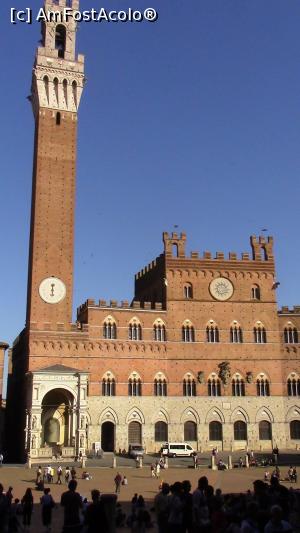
x=108 y=437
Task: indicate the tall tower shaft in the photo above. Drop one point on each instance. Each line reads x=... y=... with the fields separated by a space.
x=57 y=84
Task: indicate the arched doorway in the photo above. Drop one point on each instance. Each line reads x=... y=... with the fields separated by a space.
x=134 y=433
x=58 y=421
x=108 y=437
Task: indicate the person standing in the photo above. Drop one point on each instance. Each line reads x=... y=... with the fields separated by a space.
x=27 y=503
x=157 y=470
x=59 y=475
x=72 y=503
x=67 y=474
x=118 y=481
x=47 y=503
x=1 y=459
x=161 y=506
x=95 y=517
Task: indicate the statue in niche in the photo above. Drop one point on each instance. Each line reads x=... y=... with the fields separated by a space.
x=200 y=376
x=33 y=442
x=52 y=431
x=249 y=377
x=224 y=372
x=82 y=422
x=33 y=423
x=81 y=441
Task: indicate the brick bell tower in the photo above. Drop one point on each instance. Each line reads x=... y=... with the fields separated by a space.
x=57 y=84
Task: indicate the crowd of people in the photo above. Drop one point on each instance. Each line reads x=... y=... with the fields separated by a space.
x=271 y=507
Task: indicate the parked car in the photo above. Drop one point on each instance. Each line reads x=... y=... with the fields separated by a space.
x=136 y=450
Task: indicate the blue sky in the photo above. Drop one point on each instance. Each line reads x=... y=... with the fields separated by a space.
x=193 y=120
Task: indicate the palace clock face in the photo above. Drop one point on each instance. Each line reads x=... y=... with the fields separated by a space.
x=52 y=290
x=221 y=289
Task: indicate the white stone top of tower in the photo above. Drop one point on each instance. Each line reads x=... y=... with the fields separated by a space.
x=58 y=75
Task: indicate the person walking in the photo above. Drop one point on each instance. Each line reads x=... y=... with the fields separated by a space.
x=27 y=503
x=67 y=474
x=72 y=503
x=157 y=470
x=118 y=481
x=47 y=504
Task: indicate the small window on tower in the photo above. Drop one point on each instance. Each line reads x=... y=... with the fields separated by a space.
x=60 y=40
x=58 y=118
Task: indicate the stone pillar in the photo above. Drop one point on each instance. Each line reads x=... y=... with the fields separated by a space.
x=114 y=462
x=229 y=462
x=213 y=463
x=246 y=461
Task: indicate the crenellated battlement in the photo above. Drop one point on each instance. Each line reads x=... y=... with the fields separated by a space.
x=151 y=266
x=174 y=248
x=123 y=305
x=285 y=310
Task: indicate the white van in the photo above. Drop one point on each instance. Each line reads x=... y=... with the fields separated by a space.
x=177 y=449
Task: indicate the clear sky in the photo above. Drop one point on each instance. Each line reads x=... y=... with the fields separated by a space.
x=193 y=120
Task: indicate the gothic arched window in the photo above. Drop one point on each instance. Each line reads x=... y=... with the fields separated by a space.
x=160 y=387
x=238 y=386
x=134 y=386
x=262 y=386
x=159 y=332
x=190 y=431
x=236 y=334
x=108 y=386
x=293 y=386
x=161 y=432
x=135 y=331
x=265 y=430
x=214 y=387
x=188 y=332
x=240 y=430
x=290 y=335
x=212 y=333
x=215 y=430
x=295 y=429
x=189 y=386
x=109 y=329
x=260 y=335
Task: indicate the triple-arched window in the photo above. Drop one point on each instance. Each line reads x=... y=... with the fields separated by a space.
x=213 y=386
x=108 y=385
x=262 y=386
x=290 y=335
x=135 y=330
x=189 y=386
x=188 y=332
x=159 y=331
x=160 y=386
x=236 y=334
x=134 y=385
x=260 y=334
x=109 y=328
x=212 y=332
x=238 y=386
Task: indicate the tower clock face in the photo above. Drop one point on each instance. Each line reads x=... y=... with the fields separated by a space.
x=221 y=289
x=52 y=290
